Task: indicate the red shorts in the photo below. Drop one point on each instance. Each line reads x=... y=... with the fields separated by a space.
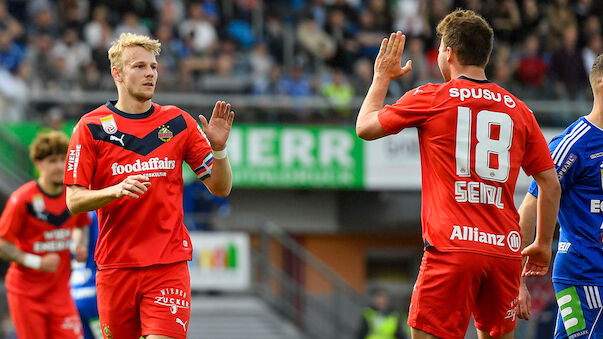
x=134 y=302
x=35 y=318
x=453 y=285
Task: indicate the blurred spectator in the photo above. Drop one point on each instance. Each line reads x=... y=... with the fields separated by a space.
x=14 y=93
x=39 y=57
x=97 y=32
x=42 y=19
x=296 y=84
x=415 y=51
x=591 y=51
x=314 y=40
x=382 y=15
x=505 y=20
x=369 y=36
x=339 y=93
x=531 y=18
x=531 y=67
x=380 y=321
x=130 y=24
x=260 y=63
x=75 y=52
x=8 y=22
x=269 y=85
x=11 y=54
x=567 y=67
x=170 y=12
x=559 y=17
x=409 y=17
x=343 y=34
x=591 y=26
x=318 y=12
x=224 y=79
x=197 y=28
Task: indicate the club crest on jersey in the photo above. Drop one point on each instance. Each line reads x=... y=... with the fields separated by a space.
x=109 y=125
x=38 y=203
x=164 y=133
x=107 y=332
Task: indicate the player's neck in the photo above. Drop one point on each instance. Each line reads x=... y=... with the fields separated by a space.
x=596 y=115
x=132 y=106
x=49 y=187
x=471 y=72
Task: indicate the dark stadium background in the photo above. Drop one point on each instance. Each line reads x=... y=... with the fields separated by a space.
x=324 y=229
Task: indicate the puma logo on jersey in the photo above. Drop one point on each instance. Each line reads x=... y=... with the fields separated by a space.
x=121 y=140
x=182 y=323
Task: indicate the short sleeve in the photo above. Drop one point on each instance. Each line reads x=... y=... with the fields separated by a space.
x=537 y=157
x=82 y=220
x=198 y=153
x=411 y=110
x=566 y=162
x=81 y=157
x=12 y=219
x=533 y=189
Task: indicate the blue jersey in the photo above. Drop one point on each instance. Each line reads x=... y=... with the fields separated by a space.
x=578 y=157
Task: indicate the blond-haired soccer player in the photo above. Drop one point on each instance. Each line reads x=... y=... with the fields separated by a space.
x=474 y=138
x=35 y=235
x=578 y=266
x=125 y=160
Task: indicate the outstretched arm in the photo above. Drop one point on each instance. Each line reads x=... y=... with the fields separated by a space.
x=527 y=221
x=387 y=68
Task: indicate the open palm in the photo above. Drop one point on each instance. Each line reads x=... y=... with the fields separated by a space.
x=218 y=128
x=388 y=60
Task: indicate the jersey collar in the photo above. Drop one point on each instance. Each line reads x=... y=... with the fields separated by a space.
x=475 y=80
x=48 y=194
x=111 y=105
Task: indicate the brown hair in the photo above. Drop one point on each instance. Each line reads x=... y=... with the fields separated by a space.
x=469 y=36
x=47 y=144
x=131 y=40
x=596 y=72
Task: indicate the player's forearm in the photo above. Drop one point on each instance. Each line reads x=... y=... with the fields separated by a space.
x=220 y=181
x=527 y=218
x=80 y=236
x=80 y=199
x=10 y=252
x=371 y=105
x=547 y=207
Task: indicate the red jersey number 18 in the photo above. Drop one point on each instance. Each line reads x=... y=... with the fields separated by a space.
x=486 y=145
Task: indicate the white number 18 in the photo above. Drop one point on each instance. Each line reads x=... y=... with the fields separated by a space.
x=485 y=144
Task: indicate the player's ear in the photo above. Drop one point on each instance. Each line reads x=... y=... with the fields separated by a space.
x=116 y=74
x=449 y=54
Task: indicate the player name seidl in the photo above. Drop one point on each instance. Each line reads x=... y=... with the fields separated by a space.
x=478 y=193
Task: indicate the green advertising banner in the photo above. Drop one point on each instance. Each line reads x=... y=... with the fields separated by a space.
x=275 y=156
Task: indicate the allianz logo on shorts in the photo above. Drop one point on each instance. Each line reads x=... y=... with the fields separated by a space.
x=468 y=233
x=140 y=166
x=173 y=298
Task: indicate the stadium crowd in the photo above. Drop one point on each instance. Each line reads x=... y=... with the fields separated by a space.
x=296 y=48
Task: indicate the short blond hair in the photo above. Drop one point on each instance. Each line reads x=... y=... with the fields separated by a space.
x=47 y=144
x=596 y=72
x=131 y=40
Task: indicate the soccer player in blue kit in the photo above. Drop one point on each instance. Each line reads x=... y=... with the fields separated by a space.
x=578 y=266
x=83 y=285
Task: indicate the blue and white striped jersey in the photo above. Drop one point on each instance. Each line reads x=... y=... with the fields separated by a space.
x=578 y=157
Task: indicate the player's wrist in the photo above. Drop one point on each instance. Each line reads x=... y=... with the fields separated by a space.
x=221 y=154
x=32 y=261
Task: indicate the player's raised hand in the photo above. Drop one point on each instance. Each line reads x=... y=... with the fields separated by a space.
x=133 y=186
x=388 y=60
x=50 y=262
x=218 y=128
x=538 y=259
x=524 y=301
x=81 y=253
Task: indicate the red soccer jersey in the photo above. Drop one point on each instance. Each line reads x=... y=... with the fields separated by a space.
x=38 y=223
x=107 y=146
x=473 y=136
